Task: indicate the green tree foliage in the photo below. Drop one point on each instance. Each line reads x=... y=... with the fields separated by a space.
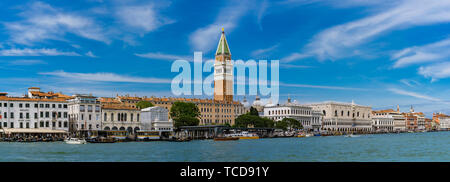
x=186 y=121
x=289 y=123
x=253 y=111
x=185 y=114
x=144 y=104
x=184 y=109
x=247 y=120
x=281 y=124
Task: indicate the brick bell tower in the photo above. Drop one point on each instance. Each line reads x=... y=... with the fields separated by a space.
x=223 y=72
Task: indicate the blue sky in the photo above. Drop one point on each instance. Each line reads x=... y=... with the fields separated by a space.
x=377 y=53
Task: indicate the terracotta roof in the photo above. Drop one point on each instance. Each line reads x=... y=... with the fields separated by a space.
x=384 y=111
x=109 y=100
x=118 y=107
x=4 y=98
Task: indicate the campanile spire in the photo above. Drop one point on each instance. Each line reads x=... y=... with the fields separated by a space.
x=223 y=71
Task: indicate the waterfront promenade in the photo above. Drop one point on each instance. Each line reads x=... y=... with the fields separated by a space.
x=430 y=146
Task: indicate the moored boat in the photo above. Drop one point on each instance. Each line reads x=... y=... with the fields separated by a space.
x=244 y=135
x=75 y=141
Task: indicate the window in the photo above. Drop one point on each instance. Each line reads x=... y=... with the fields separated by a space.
x=20 y=105
x=27 y=115
x=12 y=115
x=20 y=115
x=59 y=105
x=53 y=105
x=35 y=115
x=35 y=105
x=11 y=105
x=27 y=105
x=47 y=114
x=47 y=105
x=47 y=124
x=82 y=109
x=65 y=114
x=65 y=106
x=105 y=117
x=89 y=108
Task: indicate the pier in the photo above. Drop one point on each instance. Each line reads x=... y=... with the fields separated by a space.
x=211 y=131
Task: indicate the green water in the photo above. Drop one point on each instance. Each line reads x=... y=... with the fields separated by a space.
x=431 y=146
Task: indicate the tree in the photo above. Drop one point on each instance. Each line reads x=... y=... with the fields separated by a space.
x=248 y=119
x=253 y=111
x=281 y=124
x=184 y=114
x=144 y=104
x=292 y=123
x=186 y=121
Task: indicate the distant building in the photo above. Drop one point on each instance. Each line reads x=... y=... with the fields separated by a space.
x=310 y=119
x=436 y=120
x=414 y=120
x=47 y=111
x=344 y=117
x=84 y=113
x=120 y=117
x=156 y=118
x=388 y=120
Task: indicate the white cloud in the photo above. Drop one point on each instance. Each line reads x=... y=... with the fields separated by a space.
x=162 y=56
x=342 y=40
x=410 y=83
x=294 y=57
x=35 y=52
x=436 y=71
x=142 y=17
x=27 y=62
x=90 y=54
x=433 y=52
x=41 y=22
x=205 y=38
x=105 y=77
x=413 y=94
x=264 y=51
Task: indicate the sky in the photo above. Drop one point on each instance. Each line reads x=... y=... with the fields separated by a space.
x=377 y=53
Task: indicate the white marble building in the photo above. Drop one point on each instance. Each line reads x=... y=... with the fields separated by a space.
x=156 y=118
x=344 y=117
x=310 y=119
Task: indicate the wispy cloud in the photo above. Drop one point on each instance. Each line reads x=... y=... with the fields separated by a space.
x=414 y=94
x=143 y=18
x=205 y=38
x=343 y=40
x=161 y=56
x=410 y=83
x=26 y=62
x=90 y=54
x=433 y=52
x=294 y=57
x=436 y=71
x=35 y=52
x=42 y=22
x=104 y=77
x=265 y=51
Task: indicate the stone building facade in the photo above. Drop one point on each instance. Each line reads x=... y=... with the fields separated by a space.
x=344 y=117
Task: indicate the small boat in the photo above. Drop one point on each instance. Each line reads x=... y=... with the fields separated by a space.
x=309 y=135
x=317 y=134
x=352 y=135
x=244 y=135
x=225 y=138
x=101 y=140
x=75 y=141
x=301 y=136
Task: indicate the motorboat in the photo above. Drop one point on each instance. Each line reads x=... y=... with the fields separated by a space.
x=352 y=135
x=244 y=135
x=75 y=141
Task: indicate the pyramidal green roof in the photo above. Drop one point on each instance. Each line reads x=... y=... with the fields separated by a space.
x=223 y=48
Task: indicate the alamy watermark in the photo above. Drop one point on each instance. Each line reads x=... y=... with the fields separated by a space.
x=186 y=84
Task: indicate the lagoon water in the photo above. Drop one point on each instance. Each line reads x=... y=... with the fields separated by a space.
x=431 y=146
